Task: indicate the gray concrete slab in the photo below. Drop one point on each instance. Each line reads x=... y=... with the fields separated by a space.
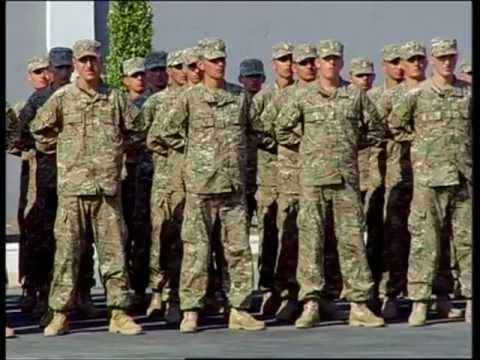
x=89 y=339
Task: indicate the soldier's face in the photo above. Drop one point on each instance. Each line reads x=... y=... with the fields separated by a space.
x=193 y=72
x=283 y=67
x=39 y=78
x=88 y=67
x=252 y=83
x=415 y=67
x=393 y=69
x=214 y=68
x=136 y=82
x=363 y=81
x=61 y=74
x=330 y=66
x=444 y=65
x=305 y=69
x=157 y=77
x=177 y=74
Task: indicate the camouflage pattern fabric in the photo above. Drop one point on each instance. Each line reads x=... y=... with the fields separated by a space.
x=167 y=200
x=216 y=123
x=397 y=199
x=90 y=130
x=334 y=126
x=442 y=169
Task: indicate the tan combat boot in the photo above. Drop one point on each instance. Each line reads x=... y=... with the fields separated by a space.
x=121 y=323
x=242 y=320
x=58 y=325
x=9 y=333
x=361 y=315
x=468 y=312
x=287 y=310
x=389 y=309
x=155 y=304
x=445 y=309
x=310 y=315
x=418 y=316
x=270 y=303
x=173 y=314
x=189 y=323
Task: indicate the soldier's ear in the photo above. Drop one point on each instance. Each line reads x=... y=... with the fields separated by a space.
x=201 y=64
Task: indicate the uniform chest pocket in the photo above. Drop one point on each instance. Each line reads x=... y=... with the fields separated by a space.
x=202 y=120
x=73 y=124
x=312 y=116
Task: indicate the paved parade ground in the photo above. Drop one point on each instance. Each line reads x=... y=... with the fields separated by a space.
x=89 y=339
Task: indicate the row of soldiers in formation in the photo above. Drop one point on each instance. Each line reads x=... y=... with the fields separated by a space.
x=174 y=171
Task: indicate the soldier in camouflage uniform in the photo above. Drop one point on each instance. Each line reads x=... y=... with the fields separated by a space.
x=90 y=125
x=284 y=285
x=39 y=77
x=167 y=198
x=371 y=172
x=332 y=121
x=466 y=72
x=435 y=118
x=137 y=244
x=210 y=121
x=398 y=181
x=155 y=72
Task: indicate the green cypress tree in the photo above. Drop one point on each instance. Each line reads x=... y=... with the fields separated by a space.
x=130 y=32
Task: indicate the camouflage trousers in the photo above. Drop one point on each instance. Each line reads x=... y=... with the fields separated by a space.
x=103 y=215
x=166 y=248
x=285 y=281
x=396 y=244
x=201 y=213
x=345 y=203
x=140 y=240
x=39 y=231
x=447 y=278
x=128 y=206
x=267 y=212
x=25 y=257
x=431 y=208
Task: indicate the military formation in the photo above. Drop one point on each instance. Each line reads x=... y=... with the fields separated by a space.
x=356 y=192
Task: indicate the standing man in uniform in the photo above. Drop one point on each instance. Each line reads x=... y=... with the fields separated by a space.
x=435 y=119
x=398 y=184
x=39 y=78
x=466 y=72
x=90 y=125
x=167 y=197
x=156 y=72
x=335 y=121
x=267 y=175
x=211 y=121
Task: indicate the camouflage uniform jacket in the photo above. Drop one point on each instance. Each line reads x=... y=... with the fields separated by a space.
x=168 y=161
x=438 y=123
x=216 y=124
x=91 y=131
x=333 y=127
x=11 y=127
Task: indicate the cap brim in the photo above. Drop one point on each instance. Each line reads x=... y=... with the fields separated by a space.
x=416 y=53
x=62 y=63
x=88 y=53
x=215 y=55
x=253 y=73
x=156 y=65
x=300 y=59
x=281 y=54
x=331 y=53
x=391 y=58
x=134 y=71
x=368 y=72
x=38 y=67
x=192 y=61
x=446 y=52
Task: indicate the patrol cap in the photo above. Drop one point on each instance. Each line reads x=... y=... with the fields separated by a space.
x=441 y=47
x=212 y=48
x=86 y=47
x=249 y=67
x=330 y=47
x=282 y=49
x=156 y=59
x=191 y=55
x=466 y=67
x=36 y=63
x=391 y=52
x=303 y=51
x=413 y=48
x=361 y=65
x=133 y=65
x=60 y=56
x=175 y=58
